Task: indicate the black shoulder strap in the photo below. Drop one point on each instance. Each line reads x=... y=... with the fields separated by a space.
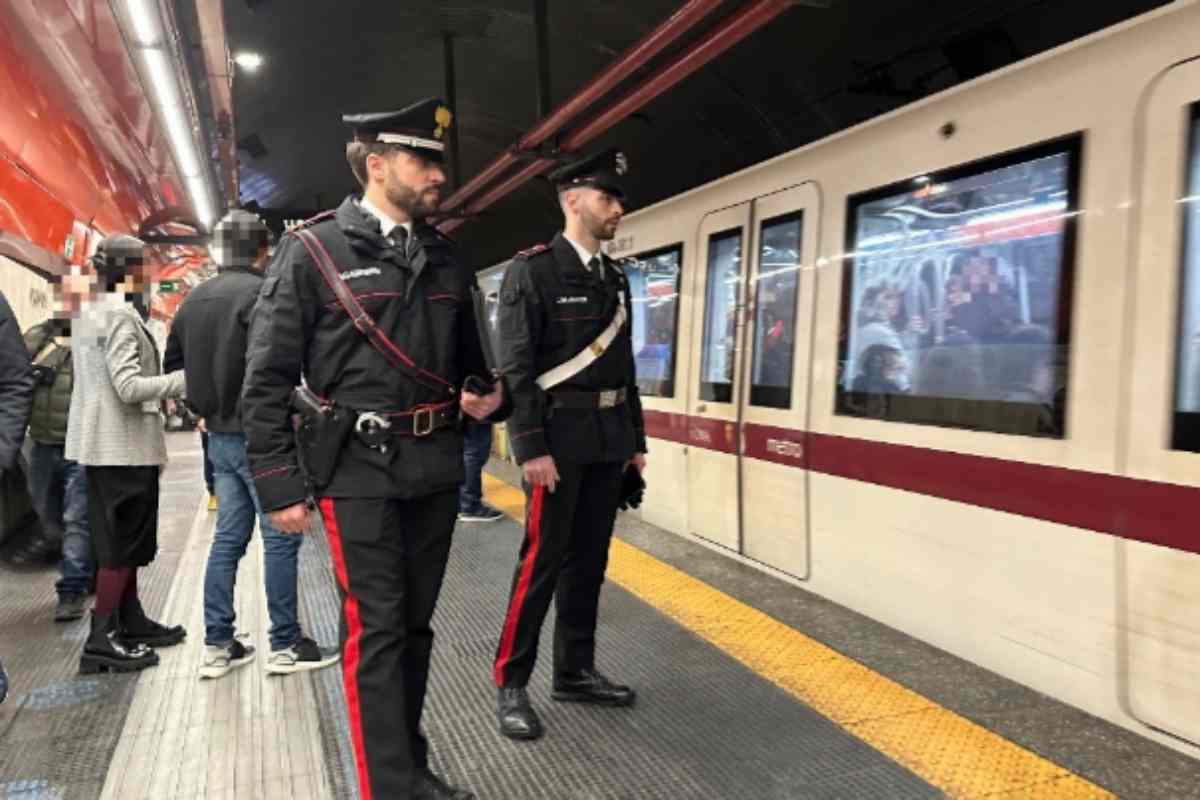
x=363 y=321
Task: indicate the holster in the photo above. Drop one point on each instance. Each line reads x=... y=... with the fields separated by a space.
x=322 y=429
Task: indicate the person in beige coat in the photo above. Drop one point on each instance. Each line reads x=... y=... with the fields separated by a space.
x=115 y=430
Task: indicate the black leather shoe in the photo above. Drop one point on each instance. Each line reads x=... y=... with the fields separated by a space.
x=589 y=686
x=430 y=787
x=137 y=628
x=518 y=720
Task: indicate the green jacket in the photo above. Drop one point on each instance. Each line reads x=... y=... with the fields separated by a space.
x=51 y=403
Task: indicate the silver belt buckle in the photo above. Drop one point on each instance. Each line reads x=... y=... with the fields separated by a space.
x=608 y=398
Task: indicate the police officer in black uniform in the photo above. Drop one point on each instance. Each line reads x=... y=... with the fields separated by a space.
x=389 y=508
x=567 y=358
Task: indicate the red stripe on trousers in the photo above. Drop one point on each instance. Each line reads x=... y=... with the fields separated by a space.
x=353 y=648
x=534 y=531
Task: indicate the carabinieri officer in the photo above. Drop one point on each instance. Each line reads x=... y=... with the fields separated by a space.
x=389 y=502
x=567 y=358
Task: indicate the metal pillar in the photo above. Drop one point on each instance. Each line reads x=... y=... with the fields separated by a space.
x=452 y=100
x=541 y=29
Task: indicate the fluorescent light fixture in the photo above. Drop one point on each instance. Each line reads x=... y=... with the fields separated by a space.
x=167 y=96
x=144 y=16
x=248 y=61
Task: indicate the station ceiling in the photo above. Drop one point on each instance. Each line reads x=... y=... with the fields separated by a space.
x=810 y=73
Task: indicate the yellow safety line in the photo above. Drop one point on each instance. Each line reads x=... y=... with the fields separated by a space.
x=963 y=759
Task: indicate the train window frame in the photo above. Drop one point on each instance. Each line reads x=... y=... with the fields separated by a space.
x=720 y=391
x=765 y=395
x=664 y=388
x=1185 y=425
x=985 y=415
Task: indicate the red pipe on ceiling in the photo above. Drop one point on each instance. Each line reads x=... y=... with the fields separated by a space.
x=653 y=43
x=724 y=36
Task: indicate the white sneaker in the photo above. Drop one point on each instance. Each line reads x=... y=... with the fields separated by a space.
x=220 y=661
x=302 y=656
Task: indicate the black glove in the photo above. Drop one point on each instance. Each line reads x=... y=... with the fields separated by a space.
x=633 y=488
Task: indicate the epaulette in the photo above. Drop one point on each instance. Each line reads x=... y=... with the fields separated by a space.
x=308 y=223
x=532 y=251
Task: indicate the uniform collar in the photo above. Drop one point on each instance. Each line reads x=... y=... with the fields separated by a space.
x=585 y=257
x=386 y=223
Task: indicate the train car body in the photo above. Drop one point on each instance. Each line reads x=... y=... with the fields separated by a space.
x=943 y=368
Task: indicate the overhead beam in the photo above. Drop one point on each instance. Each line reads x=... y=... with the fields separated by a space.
x=669 y=31
x=727 y=34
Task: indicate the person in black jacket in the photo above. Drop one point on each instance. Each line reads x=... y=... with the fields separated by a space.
x=16 y=399
x=389 y=507
x=208 y=341
x=567 y=357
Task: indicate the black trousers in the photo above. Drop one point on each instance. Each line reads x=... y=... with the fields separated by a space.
x=390 y=558
x=563 y=556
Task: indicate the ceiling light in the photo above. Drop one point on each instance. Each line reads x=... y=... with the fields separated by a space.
x=144 y=17
x=248 y=61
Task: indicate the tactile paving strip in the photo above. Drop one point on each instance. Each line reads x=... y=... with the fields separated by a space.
x=58 y=730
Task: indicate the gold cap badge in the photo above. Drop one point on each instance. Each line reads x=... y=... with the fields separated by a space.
x=443 y=117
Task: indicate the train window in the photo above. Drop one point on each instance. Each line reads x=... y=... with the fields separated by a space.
x=720 y=316
x=654 y=286
x=776 y=292
x=1186 y=430
x=956 y=301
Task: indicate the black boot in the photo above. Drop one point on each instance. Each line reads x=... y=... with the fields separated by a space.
x=104 y=651
x=517 y=718
x=430 y=787
x=589 y=686
x=137 y=628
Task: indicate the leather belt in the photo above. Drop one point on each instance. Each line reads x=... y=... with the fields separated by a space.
x=373 y=428
x=609 y=398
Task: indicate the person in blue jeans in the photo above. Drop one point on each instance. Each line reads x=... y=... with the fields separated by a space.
x=477 y=448
x=58 y=485
x=208 y=340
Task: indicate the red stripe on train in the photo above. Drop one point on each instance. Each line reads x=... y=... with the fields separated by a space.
x=1129 y=508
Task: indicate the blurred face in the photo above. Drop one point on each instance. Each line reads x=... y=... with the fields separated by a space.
x=411 y=183
x=597 y=211
x=893 y=367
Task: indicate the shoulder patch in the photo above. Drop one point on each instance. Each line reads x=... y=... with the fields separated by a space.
x=532 y=251
x=308 y=223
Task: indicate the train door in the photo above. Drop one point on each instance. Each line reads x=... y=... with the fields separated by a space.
x=1158 y=592
x=749 y=393
x=717 y=333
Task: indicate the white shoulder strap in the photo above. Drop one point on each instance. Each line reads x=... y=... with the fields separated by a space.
x=585 y=357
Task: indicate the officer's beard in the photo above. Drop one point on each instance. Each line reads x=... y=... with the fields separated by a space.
x=603 y=230
x=410 y=201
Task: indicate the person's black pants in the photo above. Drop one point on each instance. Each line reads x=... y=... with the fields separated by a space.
x=389 y=557
x=563 y=556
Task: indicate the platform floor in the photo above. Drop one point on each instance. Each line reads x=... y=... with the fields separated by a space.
x=748 y=688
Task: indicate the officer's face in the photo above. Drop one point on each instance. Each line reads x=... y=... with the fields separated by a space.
x=601 y=212
x=412 y=184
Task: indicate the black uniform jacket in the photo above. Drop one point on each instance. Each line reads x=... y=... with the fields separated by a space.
x=421 y=300
x=551 y=308
x=208 y=342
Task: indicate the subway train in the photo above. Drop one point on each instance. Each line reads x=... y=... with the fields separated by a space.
x=943 y=368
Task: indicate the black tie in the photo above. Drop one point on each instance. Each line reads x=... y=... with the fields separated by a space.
x=596 y=266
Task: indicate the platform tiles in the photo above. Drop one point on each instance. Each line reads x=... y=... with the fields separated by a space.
x=248 y=735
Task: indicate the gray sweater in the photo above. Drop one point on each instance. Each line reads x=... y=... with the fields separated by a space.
x=115 y=404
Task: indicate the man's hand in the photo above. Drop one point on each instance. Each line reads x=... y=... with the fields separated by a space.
x=200 y=426
x=483 y=406
x=639 y=461
x=541 y=471
x=293 y=519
